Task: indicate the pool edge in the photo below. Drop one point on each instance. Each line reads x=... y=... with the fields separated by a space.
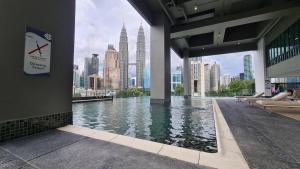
x=228 y=156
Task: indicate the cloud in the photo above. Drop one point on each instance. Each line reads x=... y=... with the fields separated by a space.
x=99 y=23
x=231 y=63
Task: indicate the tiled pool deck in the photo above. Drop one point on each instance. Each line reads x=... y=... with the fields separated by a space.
x=266 y=140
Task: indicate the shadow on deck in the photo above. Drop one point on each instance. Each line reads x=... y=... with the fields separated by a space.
x=58 y=149
x=267 y=140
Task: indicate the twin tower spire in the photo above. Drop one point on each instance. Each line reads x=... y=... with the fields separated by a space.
x=140 y=58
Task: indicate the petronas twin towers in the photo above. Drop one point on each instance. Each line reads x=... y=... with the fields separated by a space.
x=123 y=59
x=140 y=58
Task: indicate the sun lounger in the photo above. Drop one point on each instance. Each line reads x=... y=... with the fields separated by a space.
x=285 y=104
x=257 y=95
x=295 y=96
x=280 y=96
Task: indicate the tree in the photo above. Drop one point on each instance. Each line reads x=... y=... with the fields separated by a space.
x=135 y=92
x=242 y=86
x=132 y=92
x=249 y=85
x=236 y=86
x=179 y=90
x=223 y=88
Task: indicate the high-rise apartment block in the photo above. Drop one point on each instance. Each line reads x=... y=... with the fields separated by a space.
x=207 y=77
x=91 y=66
x=197 y=77
x=111 y=70
x=176 y=78
x=87 y=63
x=248 y=73
x=76 y=76
x=94 y=65
x=215 y=77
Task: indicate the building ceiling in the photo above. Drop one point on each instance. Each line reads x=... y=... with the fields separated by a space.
x=209 y=27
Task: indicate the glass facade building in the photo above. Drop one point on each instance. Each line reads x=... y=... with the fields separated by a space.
x=248 y=67
x=147 y=78
x=285 y=46
x=177 y=78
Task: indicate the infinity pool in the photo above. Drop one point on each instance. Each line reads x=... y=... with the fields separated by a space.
x=188 y=124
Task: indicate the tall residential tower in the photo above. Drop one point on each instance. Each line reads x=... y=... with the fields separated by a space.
x=94 y=64
x=197 y=77
x=248 y=67
x=123 y=53
x=111 y=69
x=215 y=77
x=140 y=57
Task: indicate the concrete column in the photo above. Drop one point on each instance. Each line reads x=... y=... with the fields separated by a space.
x=262 y=82
x=160 y=61
x=186 y=74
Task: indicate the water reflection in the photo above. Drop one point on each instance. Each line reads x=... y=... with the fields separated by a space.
x=185 y=123
x=161 y=123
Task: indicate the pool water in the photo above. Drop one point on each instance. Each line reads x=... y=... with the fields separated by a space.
x=185 y=123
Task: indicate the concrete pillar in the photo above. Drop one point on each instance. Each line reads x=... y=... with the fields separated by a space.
x=186 y=74
x=40 y=101
x=262 y=82
x=160 y=61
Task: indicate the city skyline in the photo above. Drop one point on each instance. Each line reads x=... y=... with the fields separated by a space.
x=93 y=37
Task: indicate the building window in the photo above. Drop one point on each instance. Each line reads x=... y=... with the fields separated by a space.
x=285 y=46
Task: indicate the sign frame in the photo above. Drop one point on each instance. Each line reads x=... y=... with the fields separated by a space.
x=37 y=52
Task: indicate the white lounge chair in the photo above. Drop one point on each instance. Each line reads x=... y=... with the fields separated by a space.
x=280 y=96
x=272 y=103
x=295 y=96
x=257 y=95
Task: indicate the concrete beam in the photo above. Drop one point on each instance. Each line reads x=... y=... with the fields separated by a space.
x=223 y=49
x=146 y=9
x=208 y=25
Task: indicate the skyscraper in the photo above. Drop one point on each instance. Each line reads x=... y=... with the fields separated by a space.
x=215 y=77
x=82 y=79
x=248 y=67
x=123 y=59
x=87 y=71
x=177 y=78
x=207 y=77
x=91 y=66
x=242 y=76
x=197 y=77
x=140 y=57
x=94 y=64
x=146 y=78
x=76 y=76
x=111 y=70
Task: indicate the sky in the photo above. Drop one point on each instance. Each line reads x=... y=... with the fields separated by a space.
x=99 y=23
